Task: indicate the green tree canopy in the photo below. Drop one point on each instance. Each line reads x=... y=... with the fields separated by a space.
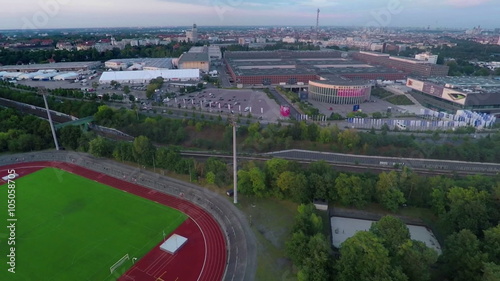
x=363 y=257
x=392 y=232
x=462 y=257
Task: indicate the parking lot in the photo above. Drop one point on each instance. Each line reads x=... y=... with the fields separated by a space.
x=230 y=101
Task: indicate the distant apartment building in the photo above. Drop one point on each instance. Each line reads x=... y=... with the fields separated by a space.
x=408 y=65
x=65 y=46
x=245 y=40
x=290 y=40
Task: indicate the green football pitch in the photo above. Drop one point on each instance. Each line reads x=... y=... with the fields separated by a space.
x=73 y=228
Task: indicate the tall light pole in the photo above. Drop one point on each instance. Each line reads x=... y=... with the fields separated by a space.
x=43 y=92
x=235 y=164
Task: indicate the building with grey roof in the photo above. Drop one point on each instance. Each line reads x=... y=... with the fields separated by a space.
x=139 y=64
x=58 y=66
x=449 y=93
x=291 y=67
x=197 y=60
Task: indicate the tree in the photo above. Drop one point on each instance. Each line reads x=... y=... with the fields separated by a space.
x=491 y=244
x=392 y=232
x=296 y=248
x=143 y=150
x=123 y=151
x=294 y=185
x=462 y=256
x=274 y=168
x=351 y=191
x=210 y=176
x=316 y=263
x=387 y=191
x=104 y=115
x=100 y=147
x=468 y=209
x=167 y=158
x=363 y=257
x=258 y=180
x=69 y=136
x=491 y=272
x=416 y=260
x=349 y=138
x=244 y=182
x=307 y=221
x=126 y=90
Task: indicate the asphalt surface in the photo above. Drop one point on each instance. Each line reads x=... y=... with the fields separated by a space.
x=294 y=113
x=241 y=242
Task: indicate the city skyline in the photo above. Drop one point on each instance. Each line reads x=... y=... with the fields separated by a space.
x=41 y=14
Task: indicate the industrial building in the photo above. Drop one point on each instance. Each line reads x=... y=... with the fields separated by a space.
x=480 y=94
x=408 y=65
x=145 y=76
x=339 y=90
x=192 y=60
x=300 y=67
x=58 y=66
x=139 y=64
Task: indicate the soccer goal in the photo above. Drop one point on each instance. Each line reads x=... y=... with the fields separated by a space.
x=118 y=263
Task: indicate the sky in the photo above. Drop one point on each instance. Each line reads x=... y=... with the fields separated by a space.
x=40 y=14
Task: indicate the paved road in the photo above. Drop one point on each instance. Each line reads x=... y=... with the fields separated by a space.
x=241 y=242
x=294 y=113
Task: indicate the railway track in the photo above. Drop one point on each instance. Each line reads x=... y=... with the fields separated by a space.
x=429 y=166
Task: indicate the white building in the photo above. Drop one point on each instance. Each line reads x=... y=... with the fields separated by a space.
x=145 y=76
x=289 y=39
x=428 y=57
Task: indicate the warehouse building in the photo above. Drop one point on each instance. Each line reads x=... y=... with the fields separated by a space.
x=139 y=64
x=299 y=67
x=198 y=60
x=407 y=65
x=145 y=76
x=480 y=94
x=58 y=66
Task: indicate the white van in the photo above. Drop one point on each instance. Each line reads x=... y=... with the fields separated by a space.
x=401 y=126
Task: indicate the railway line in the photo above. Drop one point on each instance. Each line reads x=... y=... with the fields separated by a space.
x=362 y=163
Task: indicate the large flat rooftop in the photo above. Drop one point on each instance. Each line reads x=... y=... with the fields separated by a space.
x=165 y=63
x=343 y=228
x=470 y=84
x=56 y=66
x=263 y=64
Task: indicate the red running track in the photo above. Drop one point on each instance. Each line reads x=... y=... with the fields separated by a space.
x=202 y=258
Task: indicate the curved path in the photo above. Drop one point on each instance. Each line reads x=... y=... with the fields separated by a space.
x=191 y=199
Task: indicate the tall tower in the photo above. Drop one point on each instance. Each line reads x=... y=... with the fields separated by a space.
x=195 y=33
x=317 y=25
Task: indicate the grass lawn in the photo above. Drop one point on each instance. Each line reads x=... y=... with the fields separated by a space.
x=271 y=221
x=73 y=228
x=399 y=100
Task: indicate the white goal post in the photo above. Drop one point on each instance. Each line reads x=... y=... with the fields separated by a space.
x=118 y=263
